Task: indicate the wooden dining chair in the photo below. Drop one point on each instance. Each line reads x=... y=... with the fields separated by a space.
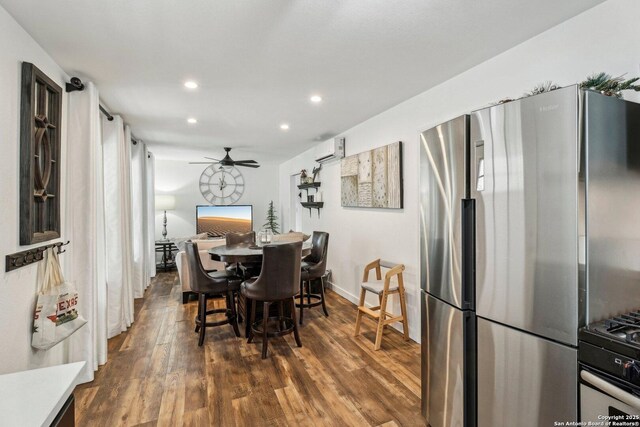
x=393 y=283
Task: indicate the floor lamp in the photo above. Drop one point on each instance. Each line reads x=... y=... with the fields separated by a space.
x=165 y=202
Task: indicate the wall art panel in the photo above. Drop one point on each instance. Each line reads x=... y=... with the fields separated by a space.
x=373 y=179
x=40 y=125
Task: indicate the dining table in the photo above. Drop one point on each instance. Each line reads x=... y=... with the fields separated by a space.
x=249 y=253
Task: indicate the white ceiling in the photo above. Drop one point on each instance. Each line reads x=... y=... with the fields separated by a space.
x=258 y=61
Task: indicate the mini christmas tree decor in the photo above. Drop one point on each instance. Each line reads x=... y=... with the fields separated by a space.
x=272 y=220
x=610 y=86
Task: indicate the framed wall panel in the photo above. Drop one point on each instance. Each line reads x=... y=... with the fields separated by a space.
x=373 y=179
x=40 y=122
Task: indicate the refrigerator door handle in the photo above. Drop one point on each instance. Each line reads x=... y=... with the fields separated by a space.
x=479 y=165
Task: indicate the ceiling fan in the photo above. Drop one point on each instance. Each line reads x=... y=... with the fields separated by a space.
x=228 y=161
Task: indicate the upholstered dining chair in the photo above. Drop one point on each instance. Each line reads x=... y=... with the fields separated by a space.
x=277 y=284
x=212 y=283
x=314 y=267
x=242 y=270
x=235 y=238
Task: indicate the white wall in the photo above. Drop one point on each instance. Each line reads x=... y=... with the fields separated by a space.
x=566 y=54
x=19 y=286
x=181 y=179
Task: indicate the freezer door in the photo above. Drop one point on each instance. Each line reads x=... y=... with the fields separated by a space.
x=442 y=189
x=524 y=380
x=524 y=178
x=448 y=364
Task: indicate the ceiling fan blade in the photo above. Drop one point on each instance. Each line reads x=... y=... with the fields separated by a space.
x=249 y=165
x=245 y=161
x=202 y=163
x=211 y=158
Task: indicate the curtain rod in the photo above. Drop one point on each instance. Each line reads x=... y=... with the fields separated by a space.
x=106 y=113
x=109 y=117
x=76 y=84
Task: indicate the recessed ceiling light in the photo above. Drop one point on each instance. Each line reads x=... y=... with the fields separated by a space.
x=190 y=84
x=284 y=126
x=316 y=99
x=192 y=120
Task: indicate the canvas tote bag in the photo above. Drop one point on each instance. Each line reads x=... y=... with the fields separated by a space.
x=56 y=316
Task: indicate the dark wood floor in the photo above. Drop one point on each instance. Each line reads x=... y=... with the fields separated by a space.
x=157 y=375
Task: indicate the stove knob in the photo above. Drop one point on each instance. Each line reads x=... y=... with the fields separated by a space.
x=631 y=371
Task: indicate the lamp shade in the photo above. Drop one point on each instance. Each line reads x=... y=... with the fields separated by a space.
x=165 y=202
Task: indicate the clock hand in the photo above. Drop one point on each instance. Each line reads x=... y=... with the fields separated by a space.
x=223 y=184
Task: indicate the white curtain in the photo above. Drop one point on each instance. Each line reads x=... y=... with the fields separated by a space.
x=85 y=258
x=118 y=220
x=139 y=209
x=151 y=214
x=109 y=215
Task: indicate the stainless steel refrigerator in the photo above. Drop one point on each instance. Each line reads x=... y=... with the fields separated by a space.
x=548 y=174
x=448 y=319
x=525 y=165
x=553 y=182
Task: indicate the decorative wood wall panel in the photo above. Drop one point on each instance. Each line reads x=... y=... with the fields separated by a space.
x=373 y=179
x=40 y=122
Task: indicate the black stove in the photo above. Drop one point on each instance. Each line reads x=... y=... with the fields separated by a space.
x=612 y=347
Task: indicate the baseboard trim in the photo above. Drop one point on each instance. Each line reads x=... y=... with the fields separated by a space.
x=344 y=293
x=355 y=300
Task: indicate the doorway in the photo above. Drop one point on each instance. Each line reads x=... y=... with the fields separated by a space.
x=295 y=210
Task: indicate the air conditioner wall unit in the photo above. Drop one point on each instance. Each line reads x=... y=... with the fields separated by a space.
x=330 y=150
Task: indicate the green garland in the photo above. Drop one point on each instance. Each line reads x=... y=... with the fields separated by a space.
x=610 y=86
x=547 y=86
x=600 y=82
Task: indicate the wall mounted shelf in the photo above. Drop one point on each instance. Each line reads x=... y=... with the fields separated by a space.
x=308 y=186
x=313 y=205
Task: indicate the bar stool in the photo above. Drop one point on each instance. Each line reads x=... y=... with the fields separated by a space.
x=277 y=283
x=207 y=284
x=383 y=288
x=314 y=267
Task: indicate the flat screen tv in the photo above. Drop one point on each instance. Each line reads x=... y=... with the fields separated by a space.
x=217 y=221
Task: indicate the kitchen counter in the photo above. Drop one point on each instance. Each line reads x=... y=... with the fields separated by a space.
x=35 y=397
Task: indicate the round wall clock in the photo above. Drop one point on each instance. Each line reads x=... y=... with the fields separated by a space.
x=221 y=185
